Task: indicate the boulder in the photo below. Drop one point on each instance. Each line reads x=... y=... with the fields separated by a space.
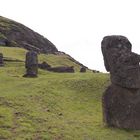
x=83 y=69
x=44 y=65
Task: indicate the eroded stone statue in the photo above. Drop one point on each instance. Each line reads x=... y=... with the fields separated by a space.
x=121 y=100
x=1 y=60
x=31 y=64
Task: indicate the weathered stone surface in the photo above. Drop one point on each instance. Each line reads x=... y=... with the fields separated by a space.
x=122 y=64
x=121 y=100
x=83 y=69
x=121 y=107
x=44 y=65
x=62 y=69
x=1 y=60
x=31 y=64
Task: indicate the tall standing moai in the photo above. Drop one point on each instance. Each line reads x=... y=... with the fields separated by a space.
x=1 y=60
x=31 y=64
x=121 y=100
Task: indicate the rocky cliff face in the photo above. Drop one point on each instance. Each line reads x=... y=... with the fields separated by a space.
x=17 y=35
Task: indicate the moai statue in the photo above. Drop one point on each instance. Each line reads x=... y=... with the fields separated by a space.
x=31 y=64
x=1 y=60
x=121 y=100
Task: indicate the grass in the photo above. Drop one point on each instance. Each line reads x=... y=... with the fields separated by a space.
x=53 y=106
x=7 y=24
x=53 y=60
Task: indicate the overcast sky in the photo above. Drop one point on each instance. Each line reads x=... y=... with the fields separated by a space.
x=78 y=26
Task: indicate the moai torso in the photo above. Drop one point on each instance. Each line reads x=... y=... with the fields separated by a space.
x=31 y=64
x=1 y=59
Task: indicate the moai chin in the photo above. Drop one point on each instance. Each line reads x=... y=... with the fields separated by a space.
x=1 y=60
x=121 y=100
x=31 y=64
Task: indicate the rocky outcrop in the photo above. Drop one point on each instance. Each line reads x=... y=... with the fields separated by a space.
x=121 y=100
x=17 y=35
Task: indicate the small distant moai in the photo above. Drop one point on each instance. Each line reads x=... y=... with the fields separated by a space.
x=121 y=100
x=83 y=69
x=1 y=60
x=31 y=64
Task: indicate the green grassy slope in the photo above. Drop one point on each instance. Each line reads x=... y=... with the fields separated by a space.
x=53 y=60
x=53 y=106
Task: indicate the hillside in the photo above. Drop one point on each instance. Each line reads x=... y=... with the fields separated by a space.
x=16 y=34
x=14 y=54
x=54 y=106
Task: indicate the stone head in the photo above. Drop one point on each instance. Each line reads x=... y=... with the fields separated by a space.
x=112 y=47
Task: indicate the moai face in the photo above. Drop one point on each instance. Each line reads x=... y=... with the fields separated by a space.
x=122 y=64
x=112 y=47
